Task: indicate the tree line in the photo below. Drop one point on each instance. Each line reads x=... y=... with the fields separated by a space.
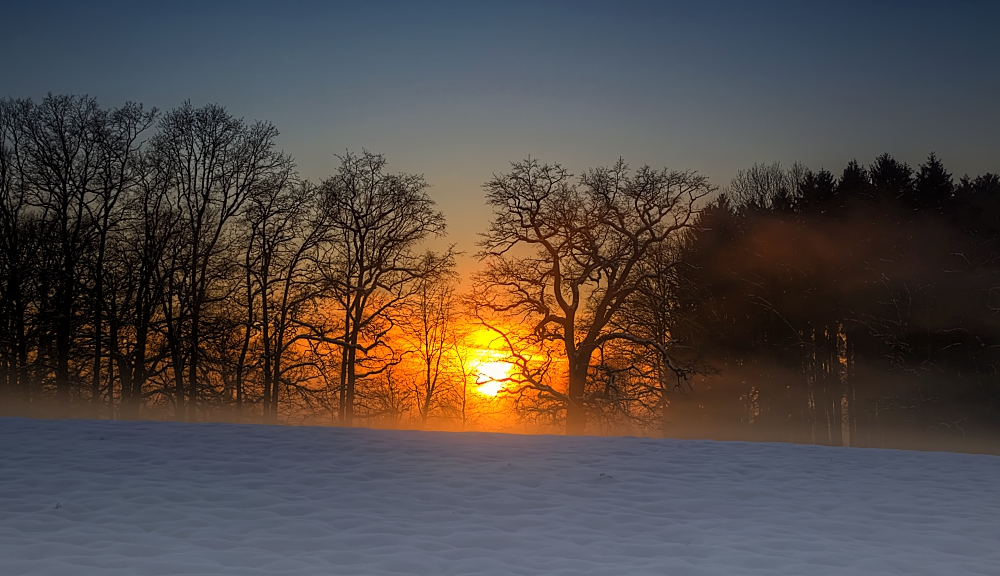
x=174 y=264
x=842 y=303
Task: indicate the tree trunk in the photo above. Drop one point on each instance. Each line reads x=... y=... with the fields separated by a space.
x=177 y=364
x=62 y=352
x=241 y=364
x=21 y=344
x=138 y=364
x=270 y=386
x=241 y=367
x=193 y=367
x=344 y=359
x=275 y=380
x=95 y=381
x=351 y=382
x=576 y=417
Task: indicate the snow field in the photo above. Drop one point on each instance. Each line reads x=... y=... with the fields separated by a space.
x=88 y=498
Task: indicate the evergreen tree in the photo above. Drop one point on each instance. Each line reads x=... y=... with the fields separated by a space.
x=933 y=186
x=976 y=207
x=817 y=193
x=854 y=185
x=891 y=180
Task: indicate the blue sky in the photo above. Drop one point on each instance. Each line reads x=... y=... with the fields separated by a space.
x=456 y=90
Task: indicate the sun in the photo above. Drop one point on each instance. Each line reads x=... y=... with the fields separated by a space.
x=485 y=361
x=490 y=375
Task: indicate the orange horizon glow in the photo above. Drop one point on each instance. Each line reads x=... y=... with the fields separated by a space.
x=486 y=364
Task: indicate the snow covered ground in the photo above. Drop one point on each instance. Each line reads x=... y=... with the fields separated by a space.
x=84 y=498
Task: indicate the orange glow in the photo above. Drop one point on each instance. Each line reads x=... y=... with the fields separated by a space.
x=490 y=375
x=486 y=364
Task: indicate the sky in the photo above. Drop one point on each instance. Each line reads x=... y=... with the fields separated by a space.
x=458 y=90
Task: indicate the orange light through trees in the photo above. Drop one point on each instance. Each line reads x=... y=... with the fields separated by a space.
x=486 y=364
x=491 y=376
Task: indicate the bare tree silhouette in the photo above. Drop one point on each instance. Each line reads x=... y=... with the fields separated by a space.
x=377 y=220
x=567 y=256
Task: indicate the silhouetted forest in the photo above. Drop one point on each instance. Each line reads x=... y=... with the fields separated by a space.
x=839 y=304
x=174 y=265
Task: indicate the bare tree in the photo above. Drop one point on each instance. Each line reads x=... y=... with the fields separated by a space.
x=429 y=327
x=637 y=383
x=63 y=158
x=283 y=281
x=767 y=186
x=215 y=163
x=146 y=249
x=18 y=248
x=386 y=399
x=464 y=374
x=118 y=173
x=567 y=256
x=377 y=220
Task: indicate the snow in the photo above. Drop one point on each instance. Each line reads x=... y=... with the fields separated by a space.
x=140 y=498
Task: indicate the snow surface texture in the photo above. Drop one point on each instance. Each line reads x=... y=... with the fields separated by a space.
x=85 y=497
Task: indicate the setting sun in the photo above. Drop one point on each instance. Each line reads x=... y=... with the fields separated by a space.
x=490 y=375
x=487 y=365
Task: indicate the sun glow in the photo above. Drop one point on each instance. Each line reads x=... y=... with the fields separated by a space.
x=491 y=376
x=487 y=365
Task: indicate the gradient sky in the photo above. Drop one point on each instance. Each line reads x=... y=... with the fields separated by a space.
x=456 y=90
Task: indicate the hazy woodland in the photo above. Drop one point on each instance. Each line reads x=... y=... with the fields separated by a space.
x=173 y=264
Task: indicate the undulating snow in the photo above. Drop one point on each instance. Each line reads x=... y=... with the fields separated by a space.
x=85 y=498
